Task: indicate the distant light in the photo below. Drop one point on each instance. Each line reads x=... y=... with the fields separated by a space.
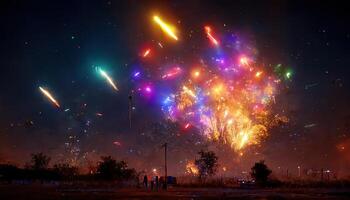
x=244 y=60
x=146 y=53
x=148 y=89
x=258 y=74
x=137 y=74
x=288 y=75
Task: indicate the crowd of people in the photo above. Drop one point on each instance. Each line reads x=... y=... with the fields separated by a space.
x=155 y=183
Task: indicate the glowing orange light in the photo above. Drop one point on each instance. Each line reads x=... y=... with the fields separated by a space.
x=258 y=74
x=196 y=73
x=210 y=36
x=191 y=168
x=146 y=53
x=244 y=60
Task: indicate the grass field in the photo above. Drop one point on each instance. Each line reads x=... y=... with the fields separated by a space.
x=19 y=192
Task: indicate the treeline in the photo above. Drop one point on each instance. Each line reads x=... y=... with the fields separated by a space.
x=38 y=168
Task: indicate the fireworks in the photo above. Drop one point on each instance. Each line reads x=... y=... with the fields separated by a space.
x=210 y=36
x=196 y=74
x=109 y=79
x=191 y=168
x=49 y=96
x=244 y=60
x=117 y=143
x=165 y=27
x=228 y=99
x=146 y=53
x=172 y=73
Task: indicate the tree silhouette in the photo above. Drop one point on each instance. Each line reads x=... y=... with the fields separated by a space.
x=39 y=161
x=9 y=172
x=106 y=168
x=110 y=169
x=65 y=170
x=260 y=172
x=207 y=163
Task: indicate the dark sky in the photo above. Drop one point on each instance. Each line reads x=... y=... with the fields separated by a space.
x=57 y=44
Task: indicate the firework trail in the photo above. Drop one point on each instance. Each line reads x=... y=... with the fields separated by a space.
x=210 y=36
x=49 y=96
x=165 y=27
x=109 y=79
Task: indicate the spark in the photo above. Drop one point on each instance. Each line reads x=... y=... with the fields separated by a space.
x=171 y=73
x=187 y=125
x=309 y=125
x=191 y=168
x=117 y=143
x=196 y=73
x=244 y=60
x=209 y=35
x=48 y=95
x=137 y=74
x=310 y=85
x=258 y=74
x=288 y=74
x=165 y=27
x=109 y=79
x=188 y=91
x=148 y=89
x=146 y=53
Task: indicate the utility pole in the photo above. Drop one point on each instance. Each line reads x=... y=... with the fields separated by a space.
x=165 y=186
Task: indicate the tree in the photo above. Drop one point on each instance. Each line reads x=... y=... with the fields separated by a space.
x=65 y=171
x=260 y=172
x=110 y=169
x=106 y=168
x=9 y=172
x=207 y=163
x=40 y=161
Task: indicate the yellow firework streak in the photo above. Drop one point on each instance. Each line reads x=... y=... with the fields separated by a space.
x=165 y=27
x=48 y=95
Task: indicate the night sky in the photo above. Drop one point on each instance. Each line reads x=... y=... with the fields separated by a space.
x=58 y=44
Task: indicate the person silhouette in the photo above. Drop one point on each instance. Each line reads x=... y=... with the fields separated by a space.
x=157 y=183
x=145 y=181
x=152 y=184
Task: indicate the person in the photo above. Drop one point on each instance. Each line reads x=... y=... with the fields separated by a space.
x=157 y=183
x=152 y=184
x=145 y=181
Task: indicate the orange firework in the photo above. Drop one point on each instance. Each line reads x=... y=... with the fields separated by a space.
x=146 y=53
x=49 y=96
x=191 y=168
x=210 y=36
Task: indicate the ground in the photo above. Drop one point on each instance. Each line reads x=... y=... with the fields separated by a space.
x=20 y=192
